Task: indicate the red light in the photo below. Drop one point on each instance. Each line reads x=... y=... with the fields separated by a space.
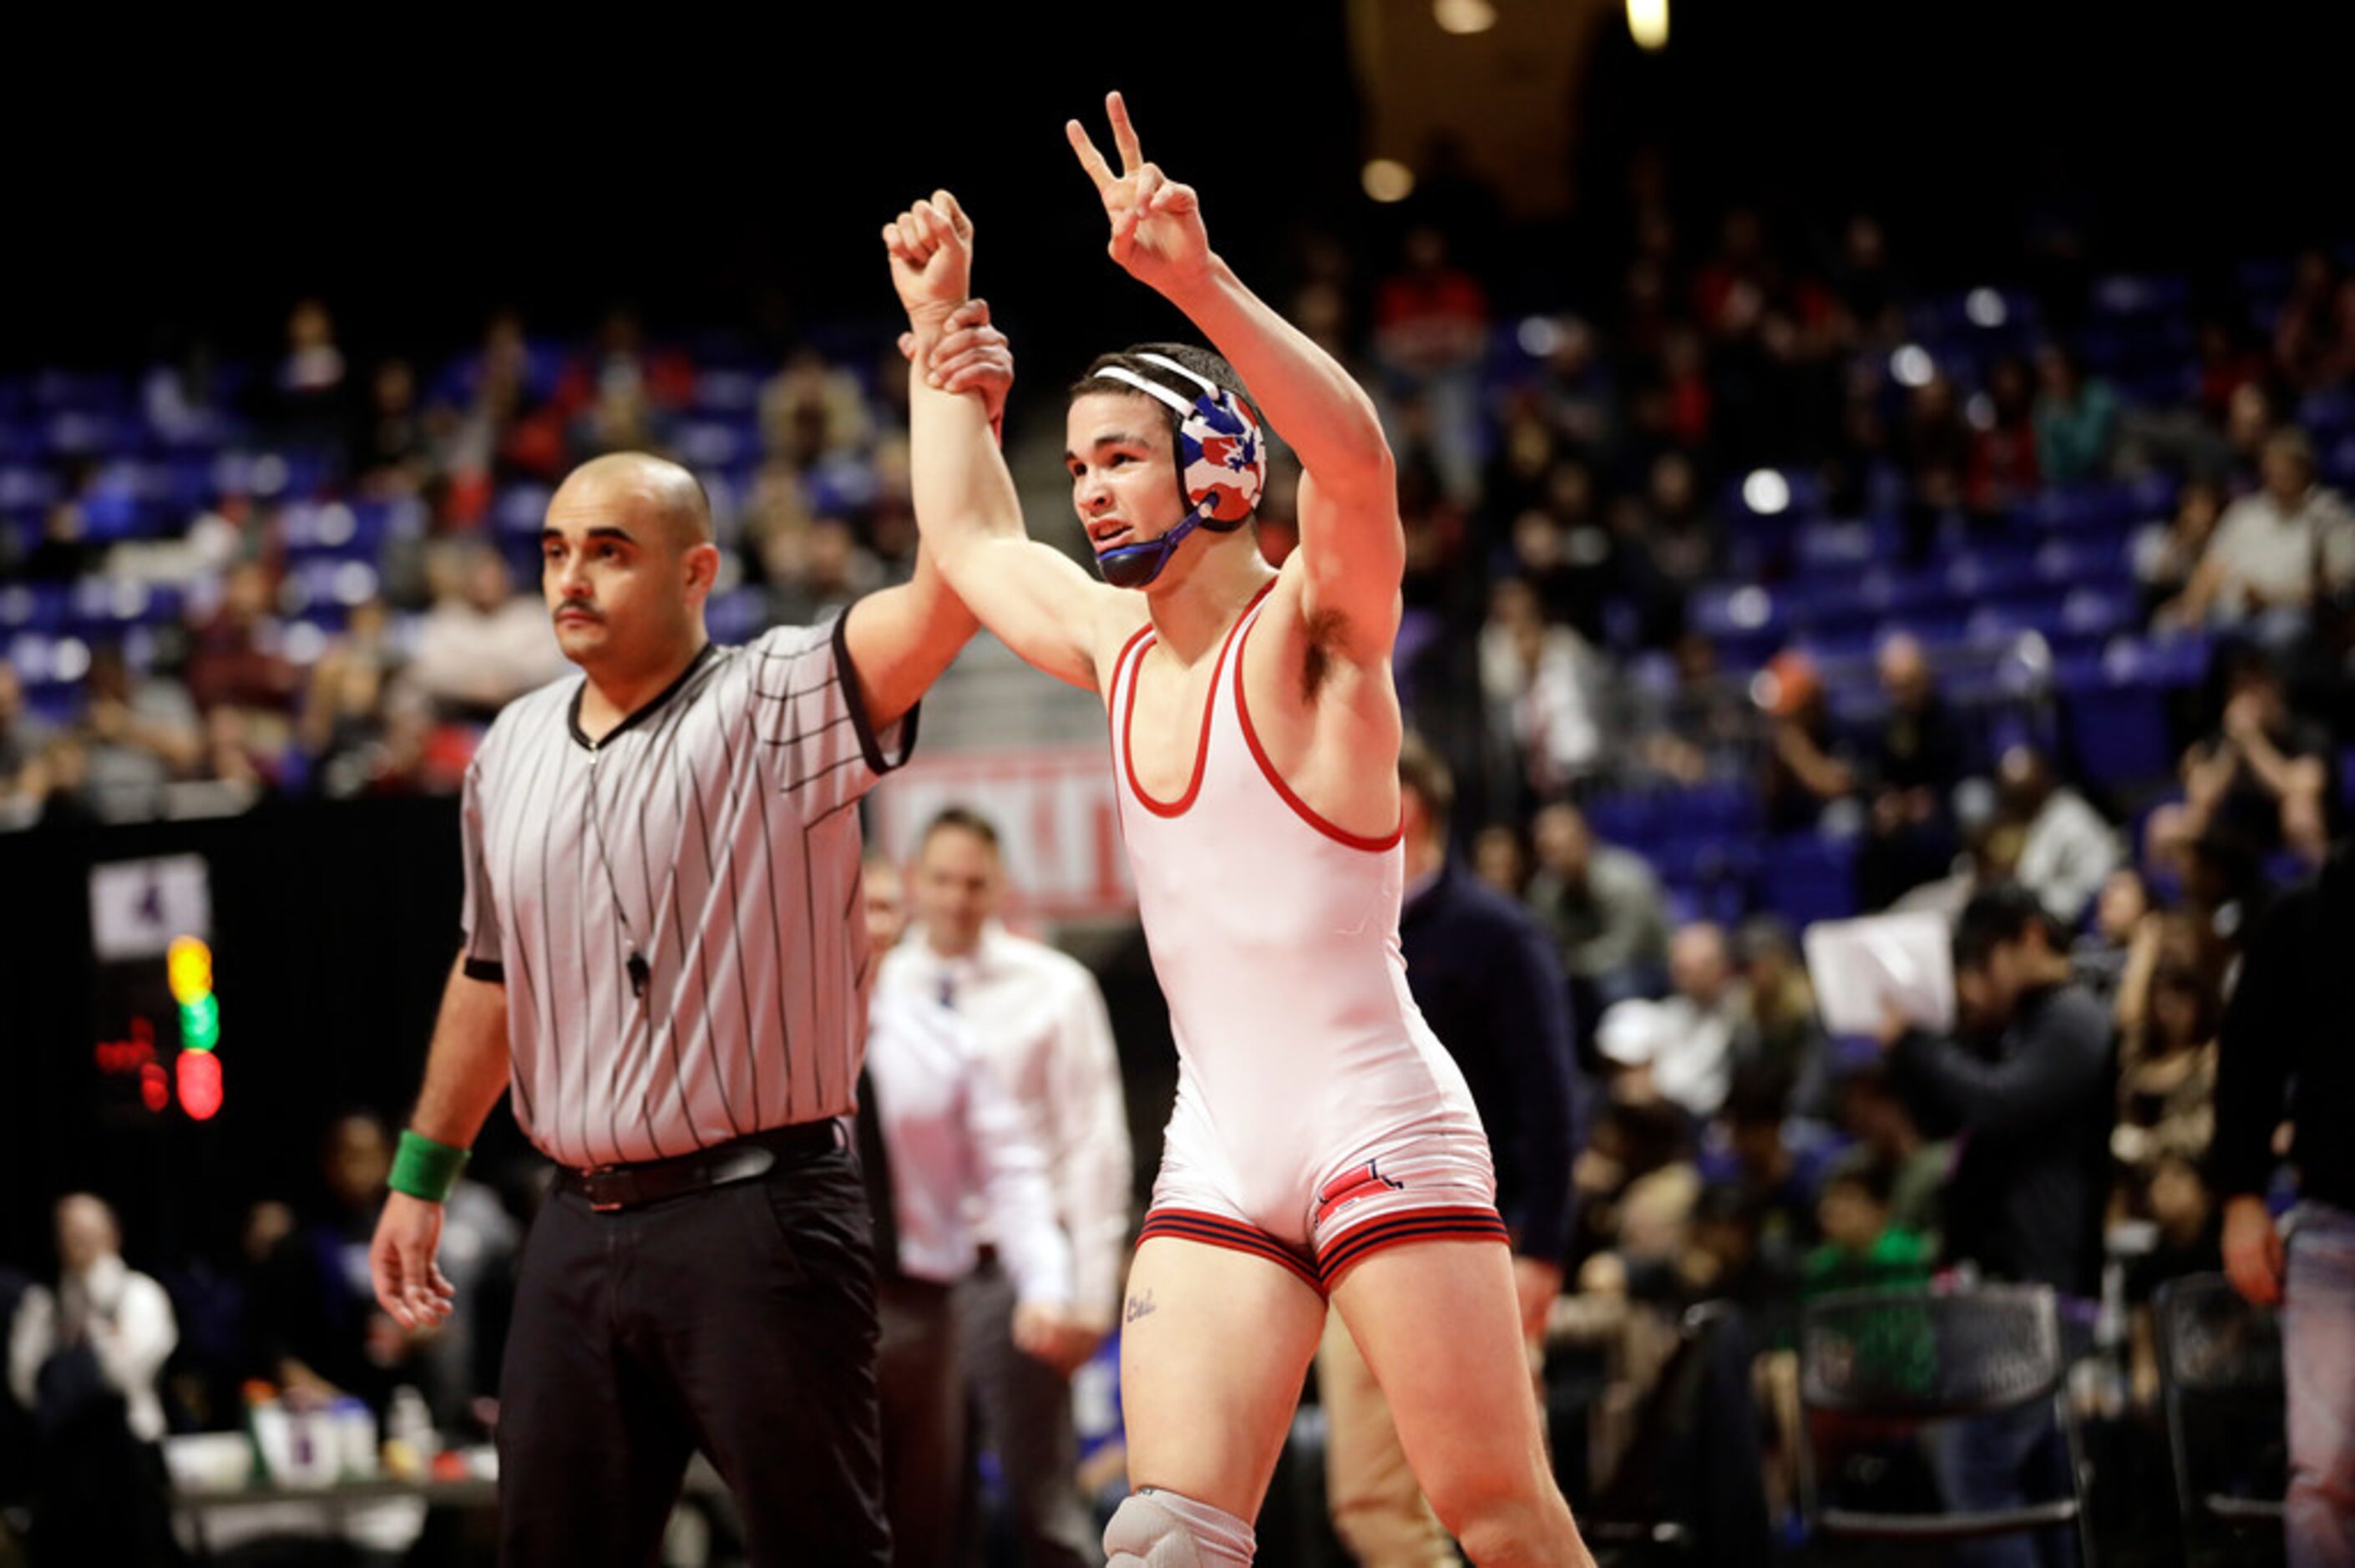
x=155 y=1093
x=200 y=1085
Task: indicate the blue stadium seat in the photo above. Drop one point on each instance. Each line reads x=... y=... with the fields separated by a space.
x=2118 y=728
x=1808 y=877
x=1623 y=819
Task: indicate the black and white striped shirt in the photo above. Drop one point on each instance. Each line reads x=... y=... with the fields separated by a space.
x=714 y=832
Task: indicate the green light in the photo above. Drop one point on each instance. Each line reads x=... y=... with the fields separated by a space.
x=200 y=1023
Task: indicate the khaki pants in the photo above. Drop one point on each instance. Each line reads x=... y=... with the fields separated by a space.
x=1379 y=1510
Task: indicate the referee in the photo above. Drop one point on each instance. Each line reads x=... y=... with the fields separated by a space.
x=665 y=959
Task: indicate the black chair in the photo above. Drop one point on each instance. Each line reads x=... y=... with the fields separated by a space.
x=1891 y=1361
x=2219 y=1367
x=1690 y=1489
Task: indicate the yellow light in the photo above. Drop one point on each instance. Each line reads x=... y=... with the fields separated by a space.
x=1647 y=23
x=1387 y=180
x=189 y=964
x=1463 y=17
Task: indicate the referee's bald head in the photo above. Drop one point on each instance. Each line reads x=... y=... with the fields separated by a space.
x=626 y=562
x=666 y=495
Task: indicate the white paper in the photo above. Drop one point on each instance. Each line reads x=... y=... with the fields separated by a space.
x=1861 y=966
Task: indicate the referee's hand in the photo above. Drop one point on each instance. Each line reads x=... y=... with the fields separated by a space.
x=409 y=1285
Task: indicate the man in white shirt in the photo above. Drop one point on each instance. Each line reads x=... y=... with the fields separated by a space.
x=947 y=1128
x=97 y=1506
x=2067 y=849
x=1043 y=1022
x=481 y=645
x=2275 y=550
x=1685 y=1044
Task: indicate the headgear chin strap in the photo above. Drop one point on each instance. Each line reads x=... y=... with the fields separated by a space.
x=1221 y=469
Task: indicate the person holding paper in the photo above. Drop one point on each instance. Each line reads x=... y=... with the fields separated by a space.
x=2032 y=1098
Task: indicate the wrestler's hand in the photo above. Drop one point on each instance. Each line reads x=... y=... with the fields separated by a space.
x=930 y=247
x=1156 y=223
x=969 y=356
x=409 y=1285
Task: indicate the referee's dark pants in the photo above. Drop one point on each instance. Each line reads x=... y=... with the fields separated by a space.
x=738 y=1319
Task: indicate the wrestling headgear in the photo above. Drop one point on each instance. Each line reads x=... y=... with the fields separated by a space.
x=1221 y=467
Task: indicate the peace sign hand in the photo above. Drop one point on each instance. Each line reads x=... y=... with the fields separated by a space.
x=1156 y=223
x=931 y=246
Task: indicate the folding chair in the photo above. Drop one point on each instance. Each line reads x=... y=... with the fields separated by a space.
x=1899 y=1360
x=2219 y=1364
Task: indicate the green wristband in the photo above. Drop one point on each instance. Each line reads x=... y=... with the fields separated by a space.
x=424 y=1169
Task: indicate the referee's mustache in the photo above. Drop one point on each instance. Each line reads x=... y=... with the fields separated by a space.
x=576 y=607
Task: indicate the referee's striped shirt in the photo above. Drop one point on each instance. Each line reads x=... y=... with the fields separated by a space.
x=713 y=831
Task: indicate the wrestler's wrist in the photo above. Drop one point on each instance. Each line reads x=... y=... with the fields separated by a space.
x=1185 y=287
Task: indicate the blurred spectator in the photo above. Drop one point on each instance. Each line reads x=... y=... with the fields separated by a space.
x=1915 y=762
x=308 y=393
x=2167 y=1070
x=63 y=553
x=2264 y=779
x=342 y=716
x=1041 y=1017
x=2076 y=419
x=23 y=737
x=2167 y=556
x=2276 y=552
x=1431 y=330
x=1807 y=767
x=2066 y=848
x=1863 y=1248
x=1869 y=1109
x=2187 y=1237
x=936 y=1126
x=84 y=1359
x=2032 y=1092
x=318 y=1327
x=1499 y=860
x=135 y=735
x=1543 y=684
x=2031 y=1096
x=1701 y=726
x=2284 y=1054
x=2121 y=911
x=2314 y=335
x=1605 y=907
x=811 y=411
x=1779 y=1043
x=482 y=644
x=2003 y=442
x=1681 y=1049
x=388 y=448
x=233 y=657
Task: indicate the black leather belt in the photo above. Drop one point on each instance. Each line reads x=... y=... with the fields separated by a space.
x=612 y=1187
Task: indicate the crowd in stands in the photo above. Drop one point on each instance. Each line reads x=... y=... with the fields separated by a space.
x=1773 y=588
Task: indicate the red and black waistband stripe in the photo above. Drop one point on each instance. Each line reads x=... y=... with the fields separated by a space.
x=1186 y=1224
x=1423 y=1225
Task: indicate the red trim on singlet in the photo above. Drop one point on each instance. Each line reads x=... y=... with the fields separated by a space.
x=1216 y=1230
x=1360 y=1242
x=1301 y=808
x=1179 y=807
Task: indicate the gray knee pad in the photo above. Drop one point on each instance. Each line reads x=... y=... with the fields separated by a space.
x=1155 y=1529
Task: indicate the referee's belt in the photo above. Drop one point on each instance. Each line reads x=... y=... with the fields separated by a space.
x=612 y=1187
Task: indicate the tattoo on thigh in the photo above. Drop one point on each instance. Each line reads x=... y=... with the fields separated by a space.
x=1140 y=1306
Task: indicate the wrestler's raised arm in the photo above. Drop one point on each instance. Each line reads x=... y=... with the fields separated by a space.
x=1040 y=602
x=1351 y=545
